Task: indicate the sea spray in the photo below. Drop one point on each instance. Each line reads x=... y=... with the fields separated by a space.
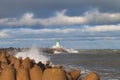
x=33 y=53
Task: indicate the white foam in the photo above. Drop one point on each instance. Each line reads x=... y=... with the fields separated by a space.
x=72 y=50
x=33 y=53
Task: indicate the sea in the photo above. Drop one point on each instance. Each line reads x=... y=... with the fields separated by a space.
x=106 y=63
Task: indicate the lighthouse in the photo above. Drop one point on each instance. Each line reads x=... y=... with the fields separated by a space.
x=57 y=44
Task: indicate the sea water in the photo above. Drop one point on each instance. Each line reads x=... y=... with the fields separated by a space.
x=106 y=65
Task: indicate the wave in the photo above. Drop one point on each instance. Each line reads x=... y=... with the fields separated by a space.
x=33 y=53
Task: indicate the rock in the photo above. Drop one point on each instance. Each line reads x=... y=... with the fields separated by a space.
x=4 y=65
x=58 y=66
x=7 y=55
x=54 y=74
x=47 y=64
x=47 y=50
x=91 y=76
x=20 y=58
x=32 y=62
x=3 y=53
x=69 y=77
x=36 y=73
x=8 y=73
x=27 y=63
x=41 y=65
x=3 y=57
x=22 y=74
x=12 y=68
x=12 y=59
x=0 y=69
x=15 y=62
x=75 y=74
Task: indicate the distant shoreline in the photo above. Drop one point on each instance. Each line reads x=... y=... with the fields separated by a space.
x=82 y=51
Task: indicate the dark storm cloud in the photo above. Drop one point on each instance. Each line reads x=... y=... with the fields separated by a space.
x=45 y=8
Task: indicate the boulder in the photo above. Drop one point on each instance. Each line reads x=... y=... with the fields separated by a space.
x=4 y=60
x=26 y=63
x=3 y=53
x=12 y=59
x=54 y=74
x=47 y=64
x=58 y=66
x=15 y=62
x=4 y=65
x=68 y=76
x=41 y=65
x=75 y=74
x=8 y=73
x=22 y=74
x=36 y=73
x=91 y=76
x=3 y=57
x=0 y=69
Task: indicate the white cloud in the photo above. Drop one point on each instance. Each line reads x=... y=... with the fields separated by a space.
x=102 y=28
x=60 y=19
x=94 y=16
x=7 y=33
x=26 y=19
x=43 y=31
x=3 y=34
x=36 y=39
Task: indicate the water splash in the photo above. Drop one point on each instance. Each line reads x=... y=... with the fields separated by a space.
x=33 y=53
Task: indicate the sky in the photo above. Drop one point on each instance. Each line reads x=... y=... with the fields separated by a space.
x=79 y=24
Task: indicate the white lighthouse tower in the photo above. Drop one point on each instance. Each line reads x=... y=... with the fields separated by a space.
x=57 y=44
x=57 y=48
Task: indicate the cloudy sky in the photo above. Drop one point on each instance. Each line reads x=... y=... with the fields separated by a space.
x=81 y=24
